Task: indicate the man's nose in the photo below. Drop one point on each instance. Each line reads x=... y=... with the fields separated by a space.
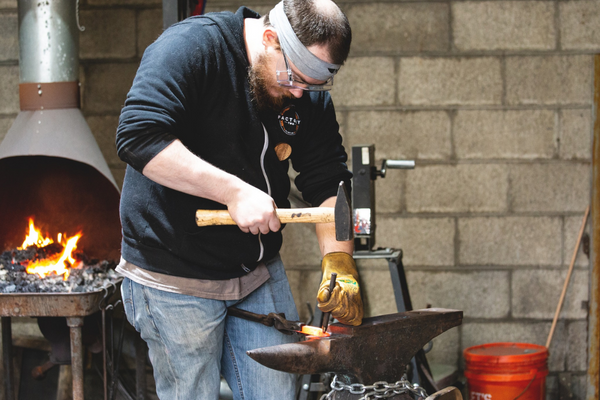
x=297 y=93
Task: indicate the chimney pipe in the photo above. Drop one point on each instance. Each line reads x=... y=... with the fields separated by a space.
x=48 y=41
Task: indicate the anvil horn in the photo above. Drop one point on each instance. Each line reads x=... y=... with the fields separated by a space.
x=377 y=350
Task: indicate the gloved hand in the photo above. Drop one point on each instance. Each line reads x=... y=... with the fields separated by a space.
x=344 y=303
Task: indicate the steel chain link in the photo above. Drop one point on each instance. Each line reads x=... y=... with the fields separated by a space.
x=378 y=390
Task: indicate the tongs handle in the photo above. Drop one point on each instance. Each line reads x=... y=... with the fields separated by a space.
x=272 y=319
x=250 y=316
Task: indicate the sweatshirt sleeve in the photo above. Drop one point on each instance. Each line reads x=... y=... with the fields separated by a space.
x=164 y=88
x=321 y=163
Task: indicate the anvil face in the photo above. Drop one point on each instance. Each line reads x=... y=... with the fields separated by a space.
x=377 y=350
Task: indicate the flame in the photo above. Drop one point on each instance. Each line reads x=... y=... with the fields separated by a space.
x=35 y=237
x=314 y=331
x=58 y=264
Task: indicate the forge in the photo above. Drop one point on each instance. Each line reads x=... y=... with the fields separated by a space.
x=52 y=170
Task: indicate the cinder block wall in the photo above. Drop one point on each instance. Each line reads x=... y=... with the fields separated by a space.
x=493 y=101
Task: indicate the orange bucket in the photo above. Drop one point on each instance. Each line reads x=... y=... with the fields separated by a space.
x=506 y=371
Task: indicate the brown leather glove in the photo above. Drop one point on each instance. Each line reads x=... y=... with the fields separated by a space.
x=344 y=303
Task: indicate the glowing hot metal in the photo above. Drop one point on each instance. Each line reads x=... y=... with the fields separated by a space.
x=313 y=331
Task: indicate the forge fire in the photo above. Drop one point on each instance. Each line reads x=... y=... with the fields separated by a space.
x=42 y=264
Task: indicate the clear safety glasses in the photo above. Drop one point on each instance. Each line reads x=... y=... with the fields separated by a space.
x=286 y=78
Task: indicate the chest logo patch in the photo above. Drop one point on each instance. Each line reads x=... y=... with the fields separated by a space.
x=289 y=121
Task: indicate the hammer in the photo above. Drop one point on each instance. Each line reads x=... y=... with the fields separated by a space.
x=341 y=214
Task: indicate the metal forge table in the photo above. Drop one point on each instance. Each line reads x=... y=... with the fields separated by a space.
x=73 y=306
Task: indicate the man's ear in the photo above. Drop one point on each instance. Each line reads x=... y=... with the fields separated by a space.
x=269 y=38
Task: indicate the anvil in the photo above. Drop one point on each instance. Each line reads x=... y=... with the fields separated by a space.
x=377 y=350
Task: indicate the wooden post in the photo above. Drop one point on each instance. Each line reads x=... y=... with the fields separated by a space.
x=593 y=387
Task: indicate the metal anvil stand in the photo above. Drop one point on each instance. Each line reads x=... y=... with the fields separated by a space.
x=73 y=306
x=420 y=366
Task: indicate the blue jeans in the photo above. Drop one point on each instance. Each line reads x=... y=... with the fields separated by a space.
x=192 y=342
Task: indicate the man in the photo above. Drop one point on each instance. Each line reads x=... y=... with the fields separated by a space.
x=219 y=105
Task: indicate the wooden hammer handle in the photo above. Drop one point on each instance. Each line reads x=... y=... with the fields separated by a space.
x=285 y=215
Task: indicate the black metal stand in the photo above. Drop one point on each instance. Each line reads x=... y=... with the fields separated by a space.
x=420 y=371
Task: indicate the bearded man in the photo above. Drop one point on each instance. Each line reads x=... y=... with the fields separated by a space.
x=219 y=106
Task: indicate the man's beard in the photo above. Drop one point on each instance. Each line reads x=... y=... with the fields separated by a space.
x=260 y=78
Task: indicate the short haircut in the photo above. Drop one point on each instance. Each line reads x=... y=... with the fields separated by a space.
x=314 y=27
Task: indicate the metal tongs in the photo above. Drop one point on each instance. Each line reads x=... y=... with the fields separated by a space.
x=276 y=320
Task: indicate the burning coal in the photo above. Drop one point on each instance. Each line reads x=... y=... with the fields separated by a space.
x=44 y=265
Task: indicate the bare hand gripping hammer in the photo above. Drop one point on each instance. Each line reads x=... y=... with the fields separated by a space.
x=341 y=214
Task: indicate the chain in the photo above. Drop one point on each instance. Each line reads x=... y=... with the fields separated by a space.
x=378 y=390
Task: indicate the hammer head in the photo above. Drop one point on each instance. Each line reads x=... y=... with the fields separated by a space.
x=343 y=215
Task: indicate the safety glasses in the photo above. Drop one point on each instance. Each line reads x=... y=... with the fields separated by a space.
x=286 y=78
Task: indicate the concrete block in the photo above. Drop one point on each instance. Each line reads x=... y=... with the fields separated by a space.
x=571 y=231
x=479 y=294
x=549 y=80
x=389 y=192
x=551 y=387
x=104 y=129
x=355 y=86
x=503 y=25
x=558 y=347
x=300 y=246
x=377 y=292
x=446 y=348
x=399 y=27
x=550 y=187
x=579 y=25
x=9 y=37
x=522 y=134
x=450 y=81
x=9 y=89
x=578 y=384
x=108 y=34
x=401 y=135
x=575 y=134
x=457 y=188
x=577 y=346
x=5 y=124
x=536 y=293
x=424 y=241
x=476 y=333
x=510 y=241
x=149 y=28
x=106 y=86
x=572 y=385
x=8 y=4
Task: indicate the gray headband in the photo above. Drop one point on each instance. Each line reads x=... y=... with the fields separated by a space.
x=309 y=64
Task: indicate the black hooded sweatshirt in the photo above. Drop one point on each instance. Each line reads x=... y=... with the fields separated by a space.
x=192 y=85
